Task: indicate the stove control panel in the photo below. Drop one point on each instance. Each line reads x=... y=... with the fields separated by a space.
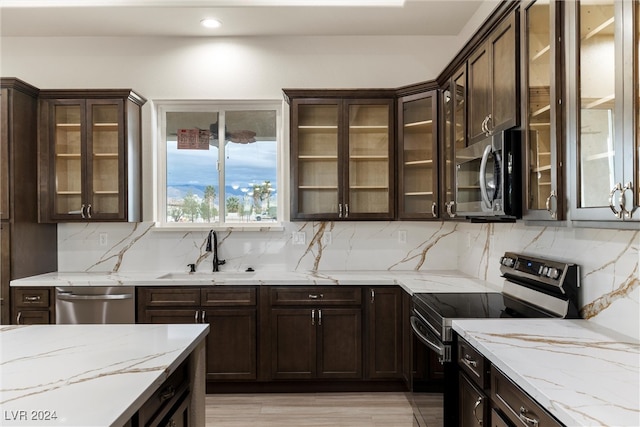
x=547 y=271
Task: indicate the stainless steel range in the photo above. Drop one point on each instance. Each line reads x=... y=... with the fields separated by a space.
x=533 y=287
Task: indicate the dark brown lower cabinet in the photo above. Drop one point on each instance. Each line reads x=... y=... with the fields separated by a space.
x=314 y=343
x=473 y=404
x=169 y=405
x=231 y=344
x=230 y=313
x=384 y=332
x=515 y=405
x=32 y=305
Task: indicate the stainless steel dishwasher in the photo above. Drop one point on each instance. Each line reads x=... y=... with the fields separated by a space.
x=95 y=304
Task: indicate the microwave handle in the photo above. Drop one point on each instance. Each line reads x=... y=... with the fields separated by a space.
x=483 y=180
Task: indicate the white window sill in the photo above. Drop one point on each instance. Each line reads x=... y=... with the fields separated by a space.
x=266 y=226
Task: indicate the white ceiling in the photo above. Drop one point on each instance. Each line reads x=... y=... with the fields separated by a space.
x=46 y=18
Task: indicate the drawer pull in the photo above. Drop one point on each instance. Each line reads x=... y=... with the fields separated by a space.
x=167 y=394
x=475 y=408
x=315 y=296
x=32 y=298
x=526 y=419
x=469 y=361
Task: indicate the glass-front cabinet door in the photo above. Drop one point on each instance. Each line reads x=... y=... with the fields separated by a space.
x=542 y=88
x=417 y=157
x=315 y=159
x=454 y=138
x=105 y=138
x=370 y=179
x=87 y=145
x=341 y=157
x=90 y=155
x=606 y=110
x=68 y=165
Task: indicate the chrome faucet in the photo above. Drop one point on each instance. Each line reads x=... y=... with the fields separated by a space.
x=214 y=248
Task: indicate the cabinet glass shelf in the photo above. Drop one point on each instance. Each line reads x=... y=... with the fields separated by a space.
x=602 y=28
x=426 y=162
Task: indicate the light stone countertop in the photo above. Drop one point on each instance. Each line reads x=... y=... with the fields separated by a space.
x=89 y=375
x=583 y=374
x=411 y=281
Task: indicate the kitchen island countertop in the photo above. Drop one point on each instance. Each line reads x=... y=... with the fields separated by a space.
x=581 y=373
x=87 y=375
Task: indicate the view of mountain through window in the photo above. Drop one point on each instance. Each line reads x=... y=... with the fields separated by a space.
x=221 y=166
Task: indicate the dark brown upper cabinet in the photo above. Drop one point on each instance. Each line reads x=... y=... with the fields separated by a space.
x=26 y=247
x=493 y=82
x=542 y=110
x=90 y=155
x=418 y=156
x=453 y=137
x=342 y=154
x=603 y=110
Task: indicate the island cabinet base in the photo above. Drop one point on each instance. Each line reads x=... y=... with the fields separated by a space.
x=179 y=401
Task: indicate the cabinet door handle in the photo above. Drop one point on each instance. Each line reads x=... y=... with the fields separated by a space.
x=18 y=317
x=346 y=210
x=167 y=394
x=450 y=209
x=89 y=211
x=82 y=208
x=319 y=317
x=488 y=125
x=551 y=211
x=614 y=190
x=203 y=317
x=527 y=420
x=313 y=317
x=475 y=408
x=339 y=210
x=628 y=187
x=373 y=296
x=197 y=317
x=433 y=209
x=469 y=361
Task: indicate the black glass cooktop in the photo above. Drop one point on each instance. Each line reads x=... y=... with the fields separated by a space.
x=473 y=306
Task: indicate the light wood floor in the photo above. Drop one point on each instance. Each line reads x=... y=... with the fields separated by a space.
x=309 y=410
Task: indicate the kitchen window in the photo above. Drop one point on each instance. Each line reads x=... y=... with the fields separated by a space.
x=218 y=163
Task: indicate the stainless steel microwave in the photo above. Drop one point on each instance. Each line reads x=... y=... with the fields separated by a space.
x=488 y=178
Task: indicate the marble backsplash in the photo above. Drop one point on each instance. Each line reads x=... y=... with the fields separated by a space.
x=609 y=259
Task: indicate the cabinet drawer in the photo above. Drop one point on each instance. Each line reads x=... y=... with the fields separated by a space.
x=31 y=297
x=316 y=296
x=165 y=398
x=516 y=405
x=33 y=317
x=168 y=297
x=226 y=296
x=473 y=364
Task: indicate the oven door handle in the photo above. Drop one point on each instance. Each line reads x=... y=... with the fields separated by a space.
x=444 y=354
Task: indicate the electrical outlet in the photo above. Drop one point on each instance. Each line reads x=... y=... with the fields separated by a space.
x=326 y=238
x=299 y=237
x=402 y=236
x=104 y=239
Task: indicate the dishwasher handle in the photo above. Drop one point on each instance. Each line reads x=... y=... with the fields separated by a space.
x=68 y=296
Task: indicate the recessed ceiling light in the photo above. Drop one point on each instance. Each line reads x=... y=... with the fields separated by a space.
x=210 y=23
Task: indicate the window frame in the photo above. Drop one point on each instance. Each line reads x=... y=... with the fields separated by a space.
x=160 y=110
